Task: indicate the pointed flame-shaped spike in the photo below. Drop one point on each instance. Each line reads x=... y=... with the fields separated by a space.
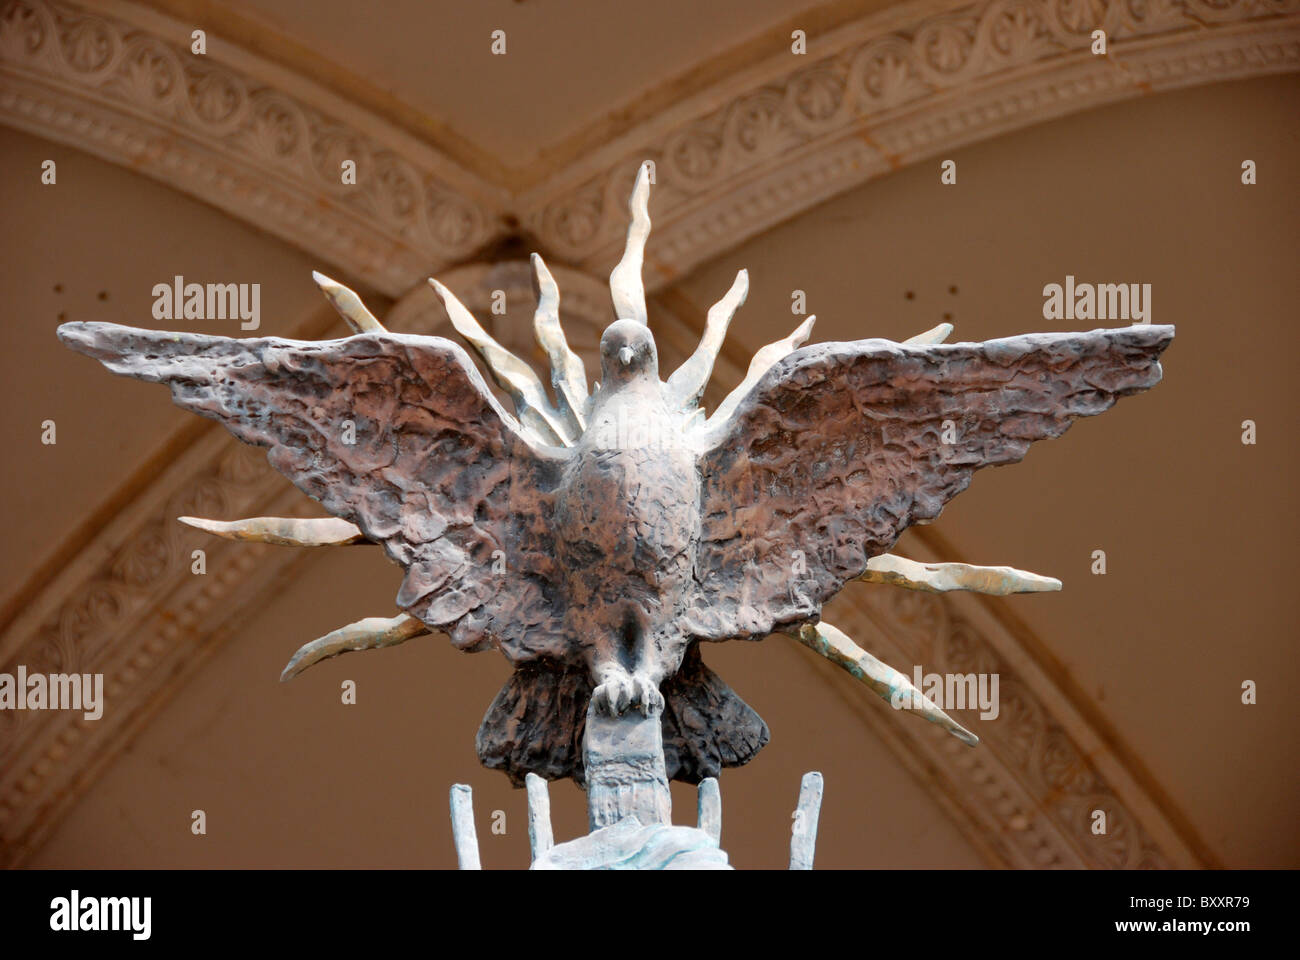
x=286 y=531
x=368 y=634
x=686 y=385
x=626 y=287
x=762 y=362
x=881 y=678
x=942 y=577
x=513 y=375
x=934 y=335
x=568 y=374
x=348 y=305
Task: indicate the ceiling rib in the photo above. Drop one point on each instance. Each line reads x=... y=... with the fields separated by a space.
x=913 y=82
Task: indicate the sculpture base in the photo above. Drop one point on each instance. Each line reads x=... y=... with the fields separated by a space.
x=624 y=762
x=628 y=845
x=629 y=809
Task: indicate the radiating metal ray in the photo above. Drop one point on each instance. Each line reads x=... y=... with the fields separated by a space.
x=688 y=381
x=881 y=678
x=942 y=577
x=626 y=287
x=286 y=531
x=368 y=634
x=568 y=374
x=934 y=335
x=348 y=305
x=513 y=375
x=762 y=362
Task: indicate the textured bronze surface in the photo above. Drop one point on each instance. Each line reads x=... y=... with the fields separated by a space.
x=841 y=446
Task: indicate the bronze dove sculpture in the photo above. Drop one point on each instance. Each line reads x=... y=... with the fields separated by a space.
x=597 y=540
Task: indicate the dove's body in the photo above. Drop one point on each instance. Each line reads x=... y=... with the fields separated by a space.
x=628 y=581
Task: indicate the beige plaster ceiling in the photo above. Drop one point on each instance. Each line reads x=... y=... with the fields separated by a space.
x=572 y=72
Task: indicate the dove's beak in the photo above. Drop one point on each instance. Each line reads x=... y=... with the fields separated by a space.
x=625 y=354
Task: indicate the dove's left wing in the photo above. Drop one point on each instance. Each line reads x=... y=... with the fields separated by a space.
x=397 y=434
x=842 y=446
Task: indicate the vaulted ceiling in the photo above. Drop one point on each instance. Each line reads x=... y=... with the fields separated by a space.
x=818 y=172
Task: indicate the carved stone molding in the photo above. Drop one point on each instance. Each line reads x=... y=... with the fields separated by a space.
x=914 y=81
x=130 y=607
x=895 y=88
x=264 y=149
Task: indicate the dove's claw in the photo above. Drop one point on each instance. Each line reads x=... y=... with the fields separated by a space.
x=620 y=691
x=646 y=695
x=615 y=694
x=638 y=693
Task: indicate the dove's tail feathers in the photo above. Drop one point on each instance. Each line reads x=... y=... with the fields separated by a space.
x=536 y=723
x=706 y=724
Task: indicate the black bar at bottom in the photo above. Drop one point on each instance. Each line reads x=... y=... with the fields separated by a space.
x=496 y=911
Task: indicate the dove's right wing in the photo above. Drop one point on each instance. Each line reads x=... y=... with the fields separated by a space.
x=842 y=446
x=397 y=434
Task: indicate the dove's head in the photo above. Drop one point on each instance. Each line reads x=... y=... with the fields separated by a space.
x=627 y=351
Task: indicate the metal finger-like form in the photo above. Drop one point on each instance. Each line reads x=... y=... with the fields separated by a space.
x=762 y=362
x=803 y=832
x=626 y=287
x=285 y=531
x=348 y=305
x=462 y=827
x=709 y=808
x=884 y=680
x=368 y=634
x=540 y=836
x=686 y=385
x=568 y=374
x=513 y=375
x=942 y=577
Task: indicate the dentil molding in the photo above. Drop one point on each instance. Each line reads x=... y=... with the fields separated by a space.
x=265 y=147
x=915 y=81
